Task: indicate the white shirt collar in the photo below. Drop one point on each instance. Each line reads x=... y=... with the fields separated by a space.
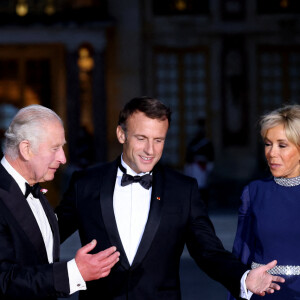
x=20 y=180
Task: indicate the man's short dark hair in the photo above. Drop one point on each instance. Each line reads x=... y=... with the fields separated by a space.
x=151 y=107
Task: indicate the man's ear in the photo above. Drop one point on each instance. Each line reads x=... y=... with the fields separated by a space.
x=25 y=150
x=121 y=135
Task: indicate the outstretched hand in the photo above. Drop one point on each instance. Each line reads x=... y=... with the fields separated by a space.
x=95 y=266
x=260 y=282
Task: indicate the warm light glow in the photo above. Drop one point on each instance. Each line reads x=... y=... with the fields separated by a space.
x=180 y=4
x=284 y=3
x=49 y=9
x=83 y=52
x=22 y=8
x=85 y=61
x=10 y=91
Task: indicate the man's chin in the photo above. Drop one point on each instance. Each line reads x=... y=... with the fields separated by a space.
x=47 y=178
x=146 y=169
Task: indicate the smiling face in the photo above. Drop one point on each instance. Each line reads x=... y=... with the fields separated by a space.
x=43 y=163
x=143 y=142
x=282 y=155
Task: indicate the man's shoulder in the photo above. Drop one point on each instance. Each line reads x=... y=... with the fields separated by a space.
x=100 y=167
x=94 y=171
x=175 y=176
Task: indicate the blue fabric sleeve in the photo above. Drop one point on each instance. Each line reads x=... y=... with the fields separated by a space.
x=242 y=242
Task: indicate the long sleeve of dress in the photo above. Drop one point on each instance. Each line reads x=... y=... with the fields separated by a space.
x=243 y=240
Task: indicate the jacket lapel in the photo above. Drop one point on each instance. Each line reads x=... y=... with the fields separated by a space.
x=15 y=201
x=153 y=218
x=108 y=216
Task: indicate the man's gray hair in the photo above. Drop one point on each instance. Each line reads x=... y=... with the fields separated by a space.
x=28 y=125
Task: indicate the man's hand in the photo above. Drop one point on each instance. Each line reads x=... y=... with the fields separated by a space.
x=95 y=266
x=260 y=282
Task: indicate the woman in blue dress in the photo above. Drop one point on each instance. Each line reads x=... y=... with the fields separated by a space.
x=269 y=214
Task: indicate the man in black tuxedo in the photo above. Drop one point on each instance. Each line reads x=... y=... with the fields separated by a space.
x=29 y=235
x=149 y=212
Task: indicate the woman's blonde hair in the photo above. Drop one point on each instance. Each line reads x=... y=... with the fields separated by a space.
x=289 y=117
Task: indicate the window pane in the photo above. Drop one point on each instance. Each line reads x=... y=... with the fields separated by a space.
x=167 y=90
x=294 y=76
x=271 y=80
x=194 y=91
x=181 y=83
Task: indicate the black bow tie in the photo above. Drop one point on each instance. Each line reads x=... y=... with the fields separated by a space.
x=145 y=180
x=34 y=190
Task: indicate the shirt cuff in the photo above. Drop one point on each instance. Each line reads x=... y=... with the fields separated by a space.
x=244 y=293
x=76 y=281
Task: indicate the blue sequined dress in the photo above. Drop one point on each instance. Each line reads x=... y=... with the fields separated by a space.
x=268 y=229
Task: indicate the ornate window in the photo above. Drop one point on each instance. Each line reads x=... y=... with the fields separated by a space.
x=278 y=76
x=181 y=83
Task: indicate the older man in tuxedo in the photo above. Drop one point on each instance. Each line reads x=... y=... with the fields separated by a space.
x=29 y=236
x=149 y=212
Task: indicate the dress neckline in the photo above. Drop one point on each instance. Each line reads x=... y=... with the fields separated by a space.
x=289 y=182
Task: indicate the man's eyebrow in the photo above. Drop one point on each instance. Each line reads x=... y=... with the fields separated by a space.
x=144 y=136
x=140 y=135
x=58 y=145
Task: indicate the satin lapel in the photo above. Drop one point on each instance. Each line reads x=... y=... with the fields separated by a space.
x=15 y=201
x=153 y=218
x=108 y=216
x=54 y=226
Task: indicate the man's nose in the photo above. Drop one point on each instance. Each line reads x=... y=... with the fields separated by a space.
x=149 y=148
x=61 y=156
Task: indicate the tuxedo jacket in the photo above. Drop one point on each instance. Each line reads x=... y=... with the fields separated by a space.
x=177 y=217
x=24 y=269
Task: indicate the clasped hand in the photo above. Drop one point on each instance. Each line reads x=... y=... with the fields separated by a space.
x=260 y=282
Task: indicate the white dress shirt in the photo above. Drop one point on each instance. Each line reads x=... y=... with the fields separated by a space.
x=76 y=281
x=131 y=208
